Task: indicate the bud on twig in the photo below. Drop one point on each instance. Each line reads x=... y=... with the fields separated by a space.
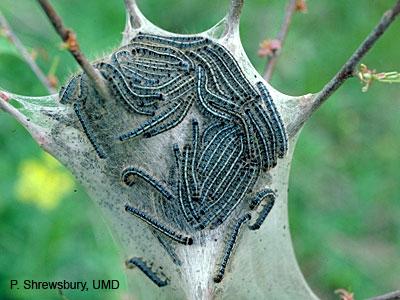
x=368 y=76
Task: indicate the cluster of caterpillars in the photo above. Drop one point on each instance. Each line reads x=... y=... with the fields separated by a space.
x=241 y=135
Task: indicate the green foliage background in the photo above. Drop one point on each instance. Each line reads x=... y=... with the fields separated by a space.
x=344 y=191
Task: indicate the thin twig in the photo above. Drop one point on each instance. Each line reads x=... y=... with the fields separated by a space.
x=233 y=17
x=69 y=37
x=272 y=59
x=11 y=36
x=134 y=17
x=390 y=296
x=348 y=69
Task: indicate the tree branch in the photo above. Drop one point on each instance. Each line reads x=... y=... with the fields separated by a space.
x=11 y=36
x=232 y=19
x=390 y=296
x=311 y=104
x=272 y=58
x=348 y=69
x=69 y=37
x=132 y=9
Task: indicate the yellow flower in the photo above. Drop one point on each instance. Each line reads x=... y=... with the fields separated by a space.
x=43 y=182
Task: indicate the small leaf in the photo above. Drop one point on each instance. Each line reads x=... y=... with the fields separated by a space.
x=368 y=76
x=344 y=294
x=301 y=6
x=71 y=43
x=269 y=47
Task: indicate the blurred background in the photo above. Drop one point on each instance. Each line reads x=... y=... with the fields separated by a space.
x=344 y=187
